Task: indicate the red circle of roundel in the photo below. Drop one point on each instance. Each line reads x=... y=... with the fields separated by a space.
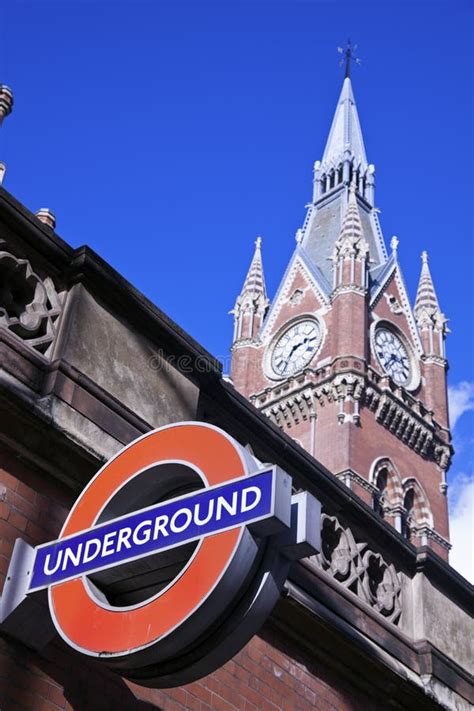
x=122 y=630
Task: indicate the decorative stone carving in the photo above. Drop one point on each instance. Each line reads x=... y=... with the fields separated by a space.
x=393 y=415
x=442 y=455
x=296 y=297
x=359 y=569
x=29 y=306
x=393 y=303
x=395 y=410
x=291 y=410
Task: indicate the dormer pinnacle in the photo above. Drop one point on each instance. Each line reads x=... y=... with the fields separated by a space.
x=350 y=247
x=351 y=237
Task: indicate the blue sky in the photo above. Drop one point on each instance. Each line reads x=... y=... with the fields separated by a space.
x=167 y=136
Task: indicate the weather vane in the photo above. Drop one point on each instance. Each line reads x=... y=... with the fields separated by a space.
x=349 y=55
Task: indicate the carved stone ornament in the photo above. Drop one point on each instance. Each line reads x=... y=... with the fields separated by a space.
x=393 y=304
x=29 y=306
x=359 y=569
x=296 y=297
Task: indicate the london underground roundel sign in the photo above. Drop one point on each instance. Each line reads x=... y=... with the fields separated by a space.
x=172 y=556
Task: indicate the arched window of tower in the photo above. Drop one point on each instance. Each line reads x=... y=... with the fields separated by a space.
x=417 y=516
x=388 y=494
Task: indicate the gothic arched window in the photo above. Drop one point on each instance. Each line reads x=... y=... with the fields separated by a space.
x=380 y=498
x=388 y=488
x=417 y=513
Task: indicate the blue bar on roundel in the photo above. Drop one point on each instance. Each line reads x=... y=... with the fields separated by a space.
x=161 y=527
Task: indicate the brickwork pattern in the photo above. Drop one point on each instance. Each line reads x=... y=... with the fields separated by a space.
x=259 y=678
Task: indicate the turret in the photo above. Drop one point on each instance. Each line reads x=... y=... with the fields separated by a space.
x=432 y=324
x=249 y=311
x=431 y=321
x=252 y=301
x=350 y=261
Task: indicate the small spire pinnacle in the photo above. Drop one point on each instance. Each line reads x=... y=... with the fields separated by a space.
x=252 y=302
x=351 y=237
x=426 y=295
x=426 y=303
x=6 y=102
x=254 y=281
x=394 y=242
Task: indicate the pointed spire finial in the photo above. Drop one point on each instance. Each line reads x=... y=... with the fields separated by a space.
x=254 y=281
x=349 y=55
x=6 y=102
x=299 y=235
x=426 y=303
x=394 y=242
x=252 y=302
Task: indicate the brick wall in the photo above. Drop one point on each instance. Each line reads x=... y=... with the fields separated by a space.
x=260 y=677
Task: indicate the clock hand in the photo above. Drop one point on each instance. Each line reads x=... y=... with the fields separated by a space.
x=295 y=347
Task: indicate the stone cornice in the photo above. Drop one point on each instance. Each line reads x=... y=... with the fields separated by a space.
x=434 y=359
x=245 y=343
x=429 y=532
x=357 y=478
x=295 y=400
x=349 y=289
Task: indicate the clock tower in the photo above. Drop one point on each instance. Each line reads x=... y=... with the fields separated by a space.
x=340 y=360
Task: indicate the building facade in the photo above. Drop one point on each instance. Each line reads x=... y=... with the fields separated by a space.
x=377 y=619
x=341 y=360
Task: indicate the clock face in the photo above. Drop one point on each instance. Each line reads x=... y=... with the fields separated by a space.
x=295 y=348
x=393 y=356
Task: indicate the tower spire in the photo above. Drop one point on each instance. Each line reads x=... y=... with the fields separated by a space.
x=345 y=137
x=344 y=162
